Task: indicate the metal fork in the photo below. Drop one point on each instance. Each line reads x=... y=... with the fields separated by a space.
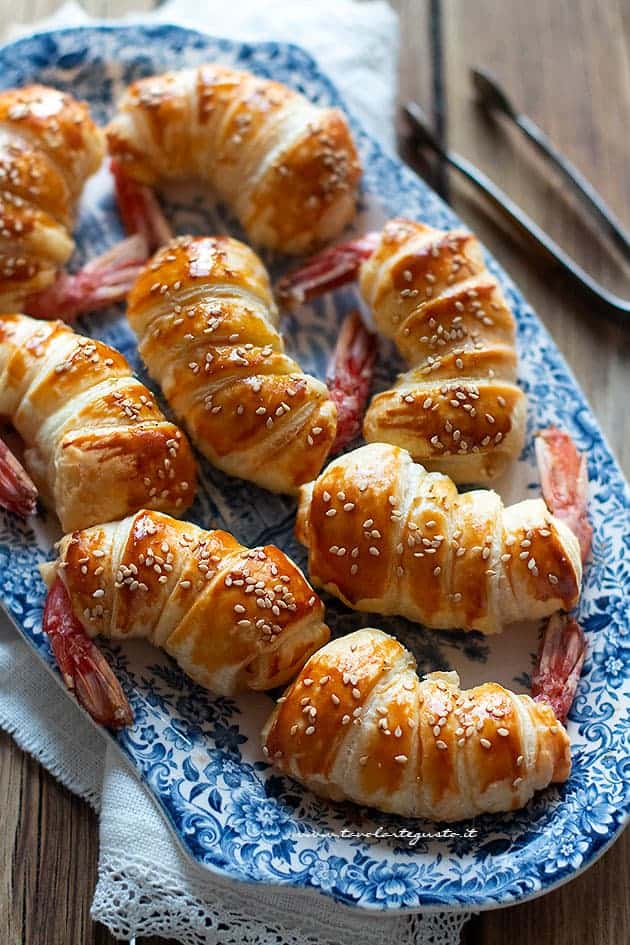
x=615 y=307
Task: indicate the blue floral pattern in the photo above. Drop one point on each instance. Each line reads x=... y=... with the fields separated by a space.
x=200 y=755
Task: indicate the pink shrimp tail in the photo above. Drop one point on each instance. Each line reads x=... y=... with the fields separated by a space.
x=350 y=376
x=17 y=491
x=564 y=480
x=103 y=281
x=139 y=209
x=559 y=664
x=327 y=270
x=85 y=670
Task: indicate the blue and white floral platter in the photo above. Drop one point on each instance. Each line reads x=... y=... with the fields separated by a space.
x=200 y=755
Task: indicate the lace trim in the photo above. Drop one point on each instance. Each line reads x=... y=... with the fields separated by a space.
x=138 y=900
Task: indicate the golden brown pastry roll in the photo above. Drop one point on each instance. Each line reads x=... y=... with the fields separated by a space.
x=49 y=146
x=234 y=618
x=458 y=408
x=97 y=444
x=384 y=535
x=358 y=724
x=287 y=168
x=207 y=330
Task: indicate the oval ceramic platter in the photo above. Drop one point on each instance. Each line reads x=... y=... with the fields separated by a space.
x=200 y=755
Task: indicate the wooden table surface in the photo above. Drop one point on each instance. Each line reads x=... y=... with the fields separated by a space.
x=567 y=64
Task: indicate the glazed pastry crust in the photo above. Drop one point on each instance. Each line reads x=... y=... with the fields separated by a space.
x=289 y=169
x=386 y=536
x=358 y=724
x=97 y=444
x=457 y=409
x=207 y=330
x=49 y=146
x=234 y=618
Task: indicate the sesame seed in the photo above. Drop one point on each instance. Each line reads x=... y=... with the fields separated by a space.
x=441 y=745
x=503 y=732
x=485 y=743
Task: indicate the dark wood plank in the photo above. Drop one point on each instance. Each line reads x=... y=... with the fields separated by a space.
x=48 y=857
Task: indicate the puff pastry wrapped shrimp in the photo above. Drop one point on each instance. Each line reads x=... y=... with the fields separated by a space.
x=234 y=618
x=384 y=535
x=358 y=724
x=49 y=146
x=97 y=445
x=206 y=323
x=287 y=168
x=458 y=408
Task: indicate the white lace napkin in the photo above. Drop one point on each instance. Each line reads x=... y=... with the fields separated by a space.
x=146 y=884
